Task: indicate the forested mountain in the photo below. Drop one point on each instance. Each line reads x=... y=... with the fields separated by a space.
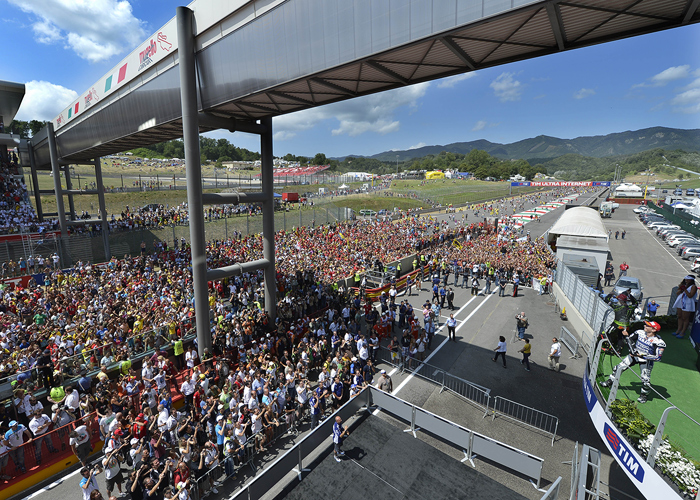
x=545 y=147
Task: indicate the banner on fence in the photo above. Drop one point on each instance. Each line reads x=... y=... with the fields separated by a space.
x=559 y=183
x=649 y=483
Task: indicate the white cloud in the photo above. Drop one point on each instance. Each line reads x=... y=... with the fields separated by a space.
x=583 y=93
x=670 y=74
x=507 y=88
x=44 y=100
x=451 y=81
x=693 y=85
x=94 y=29
x=480 y=125
x=419 y=145
x=666 y=76
x=372 y=113
x=687 y=102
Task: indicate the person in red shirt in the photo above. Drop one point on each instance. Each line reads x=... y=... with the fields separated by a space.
x=623 y=268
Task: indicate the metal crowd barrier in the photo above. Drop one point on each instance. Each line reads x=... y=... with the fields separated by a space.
x=552 y=492
x=570 y=341
x=469 y=391
x=525 y=414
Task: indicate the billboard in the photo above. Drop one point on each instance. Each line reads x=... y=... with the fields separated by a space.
x=561 y=183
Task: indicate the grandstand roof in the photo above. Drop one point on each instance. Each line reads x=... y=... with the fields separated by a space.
x=11 y=95
x=578 y=221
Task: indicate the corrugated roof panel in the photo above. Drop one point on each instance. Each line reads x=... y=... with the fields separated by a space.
x=498 y=29
x=617 y=5
x=508 y=50
x=368 y=86
x=664 y=8
x=425 y=71
x=476 y=50
x=374 y=75
x=299 y=86
x=413 y=53
x=579 y=21
x=538 y=30
x=403 y=69
x=620 y=24
x=323 y=89
x=439 y=54
x=346 y=73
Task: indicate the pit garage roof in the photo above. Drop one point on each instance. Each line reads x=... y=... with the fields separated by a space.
x=579 y=221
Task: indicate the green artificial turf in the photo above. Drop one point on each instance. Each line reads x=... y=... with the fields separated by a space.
x=677 y=379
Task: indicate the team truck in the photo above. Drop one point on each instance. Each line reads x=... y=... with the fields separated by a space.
x=606 y=209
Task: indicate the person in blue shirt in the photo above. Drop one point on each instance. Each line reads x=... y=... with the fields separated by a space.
x=339 y=432
x=652 y=307
x=315 y=406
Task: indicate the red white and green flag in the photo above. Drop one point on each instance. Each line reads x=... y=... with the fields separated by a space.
x=121 y=74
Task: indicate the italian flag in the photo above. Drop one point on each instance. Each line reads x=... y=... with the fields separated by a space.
x=73 y=110
x=121 y=74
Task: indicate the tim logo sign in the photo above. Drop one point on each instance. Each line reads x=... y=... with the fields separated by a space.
x=624 y=455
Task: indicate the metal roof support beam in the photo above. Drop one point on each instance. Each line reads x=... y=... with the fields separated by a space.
x=333 y=86
x=233 y=198
x=557 y=24
x=268 y=214
x=236 y=269
x=459 y=52
x=230 y=124
x=58 y=190
x=103 y=208
x=692 y=8
x=294 y=98
x=35 y=184
x=81 y=191
x=193 y=169
x=387 y=72
x=69 y=191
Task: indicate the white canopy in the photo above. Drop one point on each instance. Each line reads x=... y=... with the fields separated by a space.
x=578 y=221
x=343 y=186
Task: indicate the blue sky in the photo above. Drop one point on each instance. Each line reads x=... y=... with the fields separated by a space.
x=64 y=46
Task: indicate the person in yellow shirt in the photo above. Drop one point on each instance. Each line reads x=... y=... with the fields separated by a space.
x=526 y=351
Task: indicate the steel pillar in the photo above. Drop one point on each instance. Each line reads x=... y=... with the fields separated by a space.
x=268 y=214
x=53 y=155
x=103 y=207
x=193 y=169
x=35 y=183
x=69 y=190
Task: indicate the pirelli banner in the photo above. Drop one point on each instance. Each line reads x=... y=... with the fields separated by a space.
x=649 y=483
x=561 y=183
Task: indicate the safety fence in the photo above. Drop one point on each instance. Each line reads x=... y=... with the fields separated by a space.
x=596 y=313
x=30 y=450
x=525 y=415
x=570 y=341
x=473 y=393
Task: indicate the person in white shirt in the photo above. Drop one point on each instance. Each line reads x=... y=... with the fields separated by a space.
x=501 y=349
x=162 y=422
x=554 y=354
x=191 y=357
x=72 y=399
x=39 y=425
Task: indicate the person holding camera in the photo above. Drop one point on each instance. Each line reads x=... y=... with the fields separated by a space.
x=88 y=483
x=113 y=471
x=521 y=323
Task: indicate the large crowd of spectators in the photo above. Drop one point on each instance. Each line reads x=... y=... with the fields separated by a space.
x=82 y=334
x=16 y=212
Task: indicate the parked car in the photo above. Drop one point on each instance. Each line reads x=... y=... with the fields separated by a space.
x=642 y=209
x=686 y=244
x=628 y=282
x=367 y=212
x=690 y=253
x=675 y=241
x=696 y=265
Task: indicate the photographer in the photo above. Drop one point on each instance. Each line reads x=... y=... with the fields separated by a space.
x=113 y=471
x=79 y=440
x=88 y=483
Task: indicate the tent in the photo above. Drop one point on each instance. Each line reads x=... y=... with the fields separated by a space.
x=343 y=186
x=434 y=175
x=679 y=204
